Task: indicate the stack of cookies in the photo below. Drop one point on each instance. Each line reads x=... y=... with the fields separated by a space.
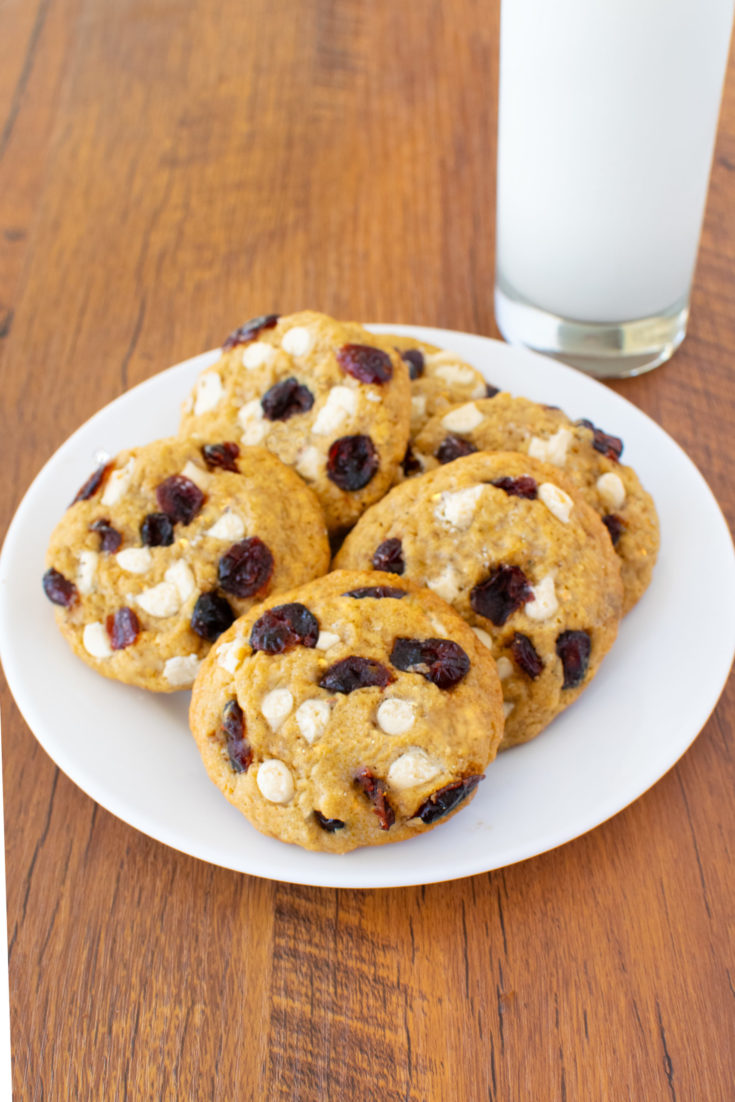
x=487 y=547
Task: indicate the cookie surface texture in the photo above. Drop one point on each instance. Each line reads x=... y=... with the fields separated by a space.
x=439 y=379
x=328 y=398
x=355 y=710
x=167 y=545
x=585 y=453
x=515 y=549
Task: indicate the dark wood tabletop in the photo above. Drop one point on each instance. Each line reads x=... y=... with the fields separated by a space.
x=168 y=169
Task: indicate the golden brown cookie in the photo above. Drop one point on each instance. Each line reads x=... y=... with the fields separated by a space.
x=328 y=398
x=439 y=379
x=166 y=544
x=513 y=546
x=352 y=711
x=586 y=454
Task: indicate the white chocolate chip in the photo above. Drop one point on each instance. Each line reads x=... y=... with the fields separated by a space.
x=446 y=584
x=229 y=527
x=611 y=489
x=395 y=716
x=341 y=403
x=117 y=483
x=553 y=449
x=545 y=603
x=257 y=354
x=181 y=670
x=456 y=374
x=309 y=462
x=508 y=706
x=297 y=341
x=275 y=781
x=230 y=655
x=312 y=717
x=505 y=667
x=207 y=392
x=326 y=640
x=197 y=475
x=457 y=508
x=96 y=640
x=556 y=501
x=134 y=560
x=160 y=600
x=483 y=637
x=412 y=768
x=250 y=419
x=418 y=406
x=463 y=419
x=373 y=396
x=479 y=391
x=275 y=706
x=86 y=571
x=180 y=576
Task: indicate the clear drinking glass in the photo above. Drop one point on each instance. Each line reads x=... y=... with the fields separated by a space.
x=607 y=121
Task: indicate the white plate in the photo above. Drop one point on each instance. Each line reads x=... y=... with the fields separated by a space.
x=132 y=752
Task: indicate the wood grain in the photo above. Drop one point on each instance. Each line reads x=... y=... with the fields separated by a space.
x=167 y=169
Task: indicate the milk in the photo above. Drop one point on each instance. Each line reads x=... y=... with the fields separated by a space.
x=607 y=120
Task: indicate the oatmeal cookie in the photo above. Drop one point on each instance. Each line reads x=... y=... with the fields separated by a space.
x=164 y=546
x=327 y=397
x=354 y=710
x=513 y=546
x=586 y=454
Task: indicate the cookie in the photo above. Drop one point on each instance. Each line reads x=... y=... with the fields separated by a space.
x=355 y=710
x=164 y=546
x=328 y=398
x=513 y=546
x=439 y=379
x=586 y=454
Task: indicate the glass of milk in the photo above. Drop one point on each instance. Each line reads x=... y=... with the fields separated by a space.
x=607 y=120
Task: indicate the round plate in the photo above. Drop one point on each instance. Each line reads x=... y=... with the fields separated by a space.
x=132 y=751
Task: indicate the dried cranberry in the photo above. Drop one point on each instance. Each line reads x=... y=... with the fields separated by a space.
x=410 y=464
x=389 y=557
x=611 y=446
x=93 y=483
x=286 y=399
x=330 y=825
x=179 y=498
x=157 y=530
x=284 y=627
x=525 y=486
x=59 y=589
x=123 y=628
x=249 y=330
x=375 y=791
x=221 y=455
x=355 y=673
x=352 y=462
x=211 y=616
x=414 y=357
x=440 y=661
x=363 y=362
x=452 y=447
x=526 y=655
x=501 y=594
x=491 y=391
x=573 y=647
x=239 y=750
x=376 y=591
x=246 y=568
x=615 y=526
x=445 y=799
x=110 y=538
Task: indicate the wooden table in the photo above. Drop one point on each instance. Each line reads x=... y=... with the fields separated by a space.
x=166 y=170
